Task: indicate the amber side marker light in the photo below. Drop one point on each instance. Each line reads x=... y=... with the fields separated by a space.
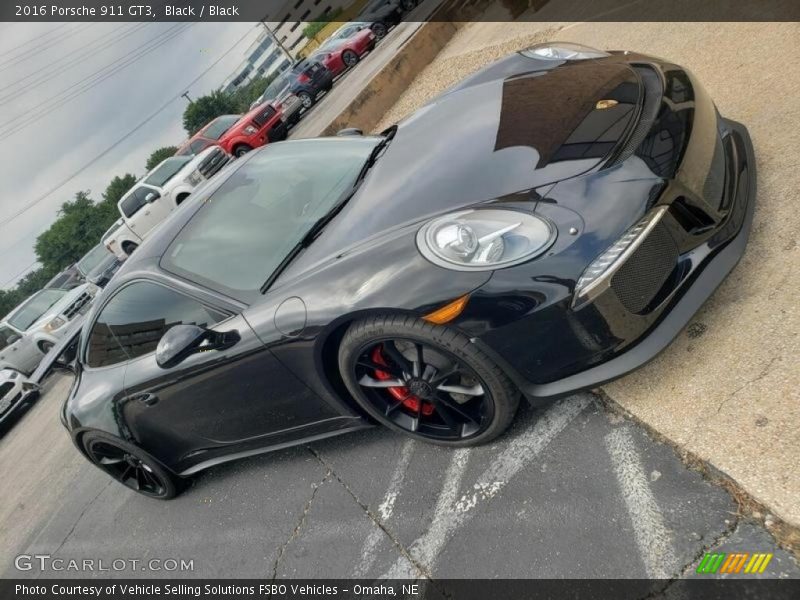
x=448 y=312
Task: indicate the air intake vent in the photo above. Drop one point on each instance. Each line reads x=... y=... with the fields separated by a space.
x=638 y=281
x=694 y=220
x=650 y=105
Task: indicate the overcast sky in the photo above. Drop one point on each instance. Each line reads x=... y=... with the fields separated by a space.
x=38 y=61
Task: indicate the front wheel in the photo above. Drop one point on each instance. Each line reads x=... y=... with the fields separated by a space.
x=131 y=466
x=241 y=150
x=427 y=381
x=379 y=29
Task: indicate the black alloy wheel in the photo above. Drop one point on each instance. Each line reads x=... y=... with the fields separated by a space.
x=379 y=29
x=427 y=381
x=349 y=58
x=131 y=466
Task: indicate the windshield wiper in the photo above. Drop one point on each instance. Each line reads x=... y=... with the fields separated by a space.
x=314 y=231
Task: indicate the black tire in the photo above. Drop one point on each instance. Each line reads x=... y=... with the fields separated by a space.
x=350 y=58
x=497 y=401
x=129 y=247
x=109 y=454
x=181 y=198
x=241 y=150
x=380 y=30
x=408 y=5
x=306 y=99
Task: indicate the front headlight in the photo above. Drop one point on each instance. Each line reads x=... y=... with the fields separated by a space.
x=54 y=324
x=563 y=51
x=250 y=130
x=595 y=279
x=194 y=178
x=484 y=239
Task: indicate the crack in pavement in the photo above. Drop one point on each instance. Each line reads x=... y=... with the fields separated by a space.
x=372 y=516
x=764 y=372
x=315 y=487
x=80 y=516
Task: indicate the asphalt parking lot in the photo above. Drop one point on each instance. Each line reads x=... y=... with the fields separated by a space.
x=571 y=491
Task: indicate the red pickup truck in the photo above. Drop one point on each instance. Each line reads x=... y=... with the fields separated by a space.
x=238 y=134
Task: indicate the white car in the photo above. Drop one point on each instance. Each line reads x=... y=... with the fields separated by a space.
x=15 y=389
x=157 y=194
x=29 y=331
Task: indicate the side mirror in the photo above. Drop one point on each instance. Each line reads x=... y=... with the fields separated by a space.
x=152 y=197
x=13 y=338
x=182 y=341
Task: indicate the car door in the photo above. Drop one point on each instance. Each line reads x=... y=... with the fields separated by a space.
x=216 y=399
x=19 y=353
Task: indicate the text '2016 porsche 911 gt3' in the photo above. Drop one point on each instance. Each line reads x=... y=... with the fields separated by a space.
x=548 y=224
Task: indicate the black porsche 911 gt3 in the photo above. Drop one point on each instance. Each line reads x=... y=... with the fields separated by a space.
x=548 y=224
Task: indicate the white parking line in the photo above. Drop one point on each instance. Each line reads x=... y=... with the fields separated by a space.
x=450 y=514
x=385 y=509
x=652 y=536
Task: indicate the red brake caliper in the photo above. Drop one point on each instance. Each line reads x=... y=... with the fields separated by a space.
x=410 y=401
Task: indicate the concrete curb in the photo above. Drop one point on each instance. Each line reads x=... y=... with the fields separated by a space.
x=381 y=93
x=785 y=534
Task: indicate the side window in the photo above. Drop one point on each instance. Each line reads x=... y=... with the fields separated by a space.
x=133 y=321
x=198 y=146
x=134 y=202
x=5 y=333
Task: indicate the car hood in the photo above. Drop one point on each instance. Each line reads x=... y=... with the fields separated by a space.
x=7 y=375
x=490 y=141
x=61 y=305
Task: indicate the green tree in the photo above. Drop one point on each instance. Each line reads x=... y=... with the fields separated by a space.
x=158 y=155
x=79 y=228
x=314 y=27
x=246 y=95
x=207 y=108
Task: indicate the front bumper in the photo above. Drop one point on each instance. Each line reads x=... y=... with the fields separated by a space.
x=16 y=399
x=679 y=308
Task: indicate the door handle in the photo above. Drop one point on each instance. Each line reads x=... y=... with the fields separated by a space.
x=147 y=399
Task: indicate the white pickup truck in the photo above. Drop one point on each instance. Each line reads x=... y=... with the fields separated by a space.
x=157 y=194
x=29 y=331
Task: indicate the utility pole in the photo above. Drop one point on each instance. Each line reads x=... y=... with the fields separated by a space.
x=277 y=41
x=186 y=95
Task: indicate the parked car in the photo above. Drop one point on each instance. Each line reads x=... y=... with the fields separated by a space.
x=345 y=47
x=158 y=193
x=109 y=240
x=545 y=247
x=239 y=134
x=67 y=279
x=29 y=331
x=282 y=98
x=308 y=79
x=104 y=270
x=382 y=15
x=15 y=393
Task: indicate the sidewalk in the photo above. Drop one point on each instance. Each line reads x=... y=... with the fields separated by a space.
x=726 y=391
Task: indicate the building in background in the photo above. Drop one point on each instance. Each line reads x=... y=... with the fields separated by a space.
x=264 y=56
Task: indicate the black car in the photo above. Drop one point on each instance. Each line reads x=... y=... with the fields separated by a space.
x=307 y=79
x=382 y=15
x=547 y=225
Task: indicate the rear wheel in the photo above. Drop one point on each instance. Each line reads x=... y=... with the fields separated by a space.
x=131 y=466
x=349 y=58
x=306 y=99
x=427 y=381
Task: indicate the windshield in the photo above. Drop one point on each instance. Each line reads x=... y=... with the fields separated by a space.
x=254 y=219
x=276 y=88
x=167 y=170
x=92 y=258
x=34 y=307
x=219 y=127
